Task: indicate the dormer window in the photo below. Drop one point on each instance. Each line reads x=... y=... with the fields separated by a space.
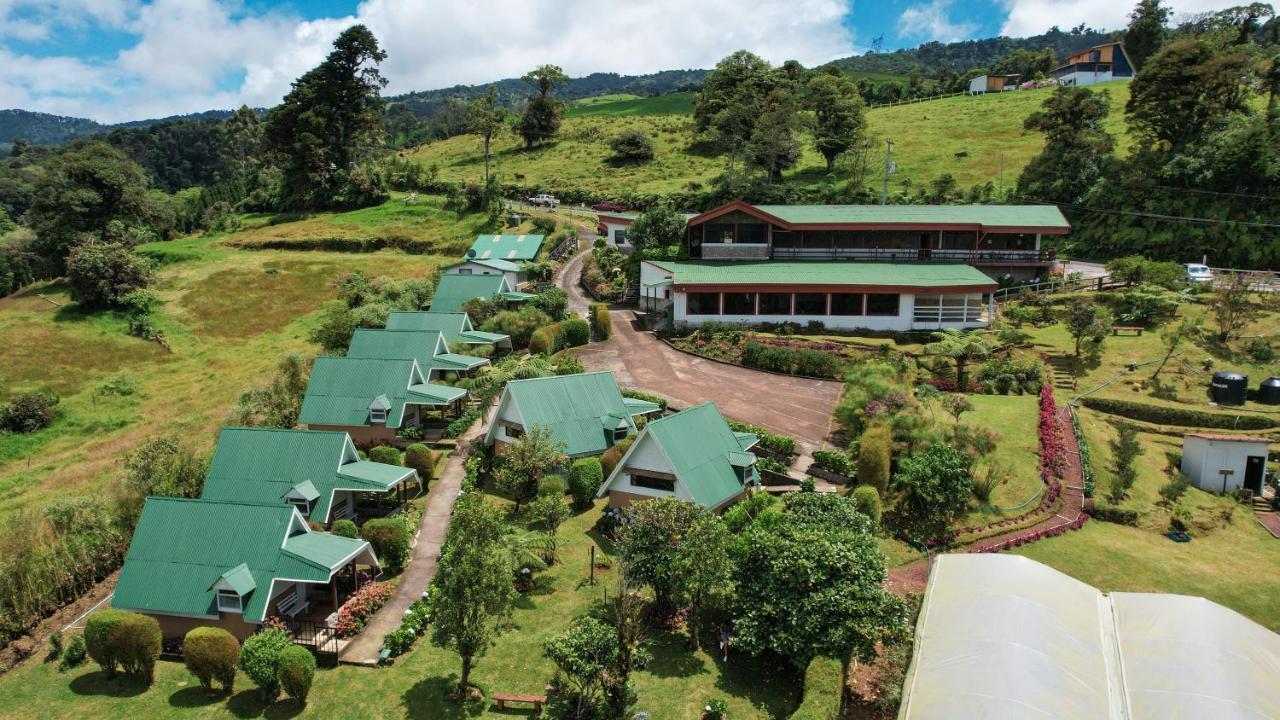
x=378 y=410
x=620 y=433
x=303 y=505
x=229 y=601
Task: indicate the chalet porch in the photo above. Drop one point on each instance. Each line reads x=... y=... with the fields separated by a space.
x=314 y=619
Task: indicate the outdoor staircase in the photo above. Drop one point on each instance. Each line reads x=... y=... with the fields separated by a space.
x=1266 y=515
x=632 y=294
x=1060 y=370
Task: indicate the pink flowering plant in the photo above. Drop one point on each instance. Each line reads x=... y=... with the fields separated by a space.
x=356 y=611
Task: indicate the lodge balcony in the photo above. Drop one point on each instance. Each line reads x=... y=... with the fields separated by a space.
x=969 y=256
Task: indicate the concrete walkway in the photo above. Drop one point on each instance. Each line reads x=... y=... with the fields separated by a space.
x=364 y=648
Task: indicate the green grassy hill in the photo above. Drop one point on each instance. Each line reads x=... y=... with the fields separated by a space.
x=927 y=138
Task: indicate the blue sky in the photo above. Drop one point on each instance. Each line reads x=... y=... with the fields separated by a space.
x=116 y=60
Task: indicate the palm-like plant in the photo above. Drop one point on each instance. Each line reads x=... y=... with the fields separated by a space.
x=962 y=347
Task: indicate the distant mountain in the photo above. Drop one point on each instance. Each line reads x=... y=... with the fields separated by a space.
x=933 y=57
x=45 y=129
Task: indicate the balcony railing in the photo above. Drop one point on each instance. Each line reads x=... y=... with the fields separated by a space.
x=973 y=257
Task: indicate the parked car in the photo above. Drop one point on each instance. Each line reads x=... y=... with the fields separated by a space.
x=1198 y=274
x=608 y=207
x=543 y=200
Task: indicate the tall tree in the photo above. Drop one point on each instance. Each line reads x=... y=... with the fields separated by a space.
x=931 y=489
x=1086 y=322
x=541 y=119
x=329 y=123
x=962 y=347
x=649 y=543
x=474 y=586
x=774 y=145
x=704 y=571
x=91 y=191
x=526 y=461
x=1146 y=31
x=243 y=145
x=485 y=118
x=658 y=227
x=838 y=109
x=1077 y=146
x=1186 y=89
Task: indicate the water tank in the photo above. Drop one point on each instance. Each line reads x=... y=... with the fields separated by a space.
x=1269 y=391
x=1229 y=388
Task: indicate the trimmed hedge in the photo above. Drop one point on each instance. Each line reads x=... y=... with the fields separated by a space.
x=260 y=660
x=875 y=455
x=389 y=538
x=1186 y=417
x=297 y=667
x=345 y=528
x=421 y=459
x=823 y=686
x=779 y=446
x=1113 y=514
x=573 y=332
x=867 y=501
x=212 y=653
x=384 y=454
x=586 y=475
x=836 y=462
x=601 y=322
x=809 y=363
x=99 y=630
x=118 y=639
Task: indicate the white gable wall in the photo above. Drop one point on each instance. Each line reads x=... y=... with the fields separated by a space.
x=1202 y=459
x=509 y=411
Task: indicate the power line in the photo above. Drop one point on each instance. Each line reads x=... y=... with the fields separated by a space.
x=1159 y=216
x=1217 y=192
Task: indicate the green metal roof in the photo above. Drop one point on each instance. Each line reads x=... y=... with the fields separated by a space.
x=239 y=579
x=574 y=408
x=703 y=452
x=181 y=548
x=636 y=406
x=923 y=275
x=505 y=247
x=429 y=394
x=341 y=389
x=454 y=361
x=1028 y=216
x=420 y=345
x=455 y=290
x=493 y=263
x=259 y=465
x=659 y=282
x=746 y=440
x=517 y=296
x=456 y=326
x=306 y=490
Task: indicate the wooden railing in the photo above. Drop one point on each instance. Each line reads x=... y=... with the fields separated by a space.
x=1056 y=285
x=973 y=257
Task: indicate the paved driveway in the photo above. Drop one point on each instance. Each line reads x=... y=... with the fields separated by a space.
x=798 y=407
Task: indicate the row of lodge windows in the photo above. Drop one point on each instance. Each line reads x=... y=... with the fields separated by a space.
x=809 y=304
x=903 y=239
x=736 y=233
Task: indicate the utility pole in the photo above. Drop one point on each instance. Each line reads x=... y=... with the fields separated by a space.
x=888 y=168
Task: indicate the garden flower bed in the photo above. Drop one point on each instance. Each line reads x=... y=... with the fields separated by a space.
x=356 y=611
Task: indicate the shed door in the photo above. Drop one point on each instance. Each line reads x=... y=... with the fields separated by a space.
x=1253 y=470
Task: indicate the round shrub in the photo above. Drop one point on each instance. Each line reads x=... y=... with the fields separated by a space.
x=29 y=412
x=99 y=640
x=297 y=668
x=601 y=321
x=138 y=642
x=867 y=501
x=384 y=454
x=420 y=458
x=102 y=274
x=551 y=486
x=345 y=528
x=542 y=341
x=585 y=477
x=260 y=660
x=211 y=653
x=389 y=538
x=874 y=457
x=574 y=332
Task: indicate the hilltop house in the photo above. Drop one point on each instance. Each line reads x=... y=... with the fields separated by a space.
x=503 y=255
x=916 y=267
x=453 y=291
x=993 y=83
x=232 y=565
x=1099 y=63
x=371 y=398
x=586 y=412
x=1219 y=462
x=319 y=473
x=617 y=224
x=455 y=326
x=427 y=347
x=512 y=272
x=692 y=455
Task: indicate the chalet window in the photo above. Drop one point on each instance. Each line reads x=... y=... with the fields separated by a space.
x=514 y=432
x=620 y=434
x=378 y=416
x=653 y=483
x=846 y=304
x=703 y=304
x=775 y=303
x=785 y=239
x=882 y=304
x=620 y=237
x=811 y=303
x=719 y=233
x=739 y=303
x=303 y=505
x=465 y=271
x=229 y=601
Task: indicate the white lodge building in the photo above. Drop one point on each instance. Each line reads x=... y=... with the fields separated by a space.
x=873 y=267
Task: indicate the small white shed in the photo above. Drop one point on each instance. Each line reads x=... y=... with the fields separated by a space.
x=1222 y=463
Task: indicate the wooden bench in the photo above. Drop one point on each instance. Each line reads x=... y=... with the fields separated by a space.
x=501 y=699
x=1136 y=330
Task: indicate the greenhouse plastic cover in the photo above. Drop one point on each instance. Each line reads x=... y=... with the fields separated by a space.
x=1002 y=636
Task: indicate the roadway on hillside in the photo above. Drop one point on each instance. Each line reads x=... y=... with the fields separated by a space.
x=793 y=406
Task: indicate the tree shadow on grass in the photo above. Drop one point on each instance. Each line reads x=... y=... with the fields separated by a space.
x=772 y=683
x=284 y=710
x=194 y=697
x=433 y=698
x=673 y=658
x=246 y=704
x=97 y=683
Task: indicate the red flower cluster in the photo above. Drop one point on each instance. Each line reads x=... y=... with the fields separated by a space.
x=356 y=611
x=1032 y=536
x=1052 y=457
x=949 y=385
x=823 y=345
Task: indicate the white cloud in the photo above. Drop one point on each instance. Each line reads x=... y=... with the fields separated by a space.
x=193 y=55
x=932 y=21
x=1032 y=17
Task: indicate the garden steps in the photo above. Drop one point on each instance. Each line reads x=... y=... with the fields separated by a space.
x=1060 y=365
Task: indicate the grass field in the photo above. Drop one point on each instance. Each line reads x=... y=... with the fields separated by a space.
x=1016 y=454
x=927 y=137
x=674 y=686
x=229 y=315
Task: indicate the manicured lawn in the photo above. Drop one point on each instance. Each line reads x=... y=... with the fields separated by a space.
x=675 y=685
x=1016 y=456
